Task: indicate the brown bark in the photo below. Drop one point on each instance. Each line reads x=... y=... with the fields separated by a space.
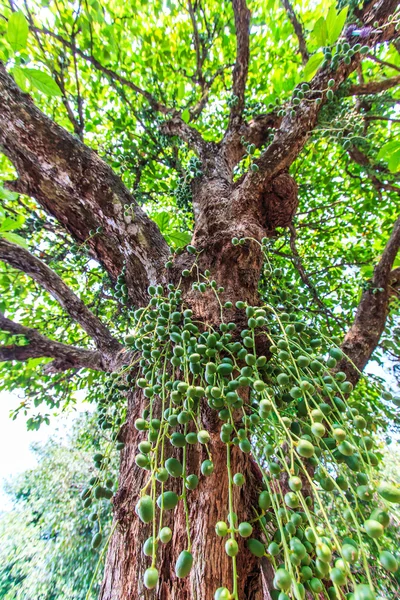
x=80 y=190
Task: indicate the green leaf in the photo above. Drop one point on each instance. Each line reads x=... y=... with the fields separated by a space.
x=178 y=238
x=335 y=23
x=319 y=34
x=312 y=66
x=162 y=219
x=14 y=238
x=10 y=224
x=43 y=82
x=390 y=152
x=186 y=115
x=17 y=31
x=20 y=78
x=7 y=195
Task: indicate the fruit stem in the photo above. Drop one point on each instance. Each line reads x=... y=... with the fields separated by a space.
x=230 y=501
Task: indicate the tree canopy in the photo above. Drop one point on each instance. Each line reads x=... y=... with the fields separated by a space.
x=245 y=153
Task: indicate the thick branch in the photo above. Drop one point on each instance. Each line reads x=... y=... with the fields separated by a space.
x=295 y=130
x=369 y=322
x=21 y=259
x=298 y=29
x=241 y=68
x=65 y=356
x=194 y=139
x=373 y=87
x=80 y=190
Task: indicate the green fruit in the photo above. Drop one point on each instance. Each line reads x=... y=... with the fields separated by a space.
x=381 y=516
x=363 y=591
x=264 y=500
x=273 y=549
x=148 y=546
x=295 y=484
x=150 y=578
x=145 y=509
x=191 y=482
x=282 y=580
x=350 y=553
x=388 y=561
x=316 y=585
x=162 y=475
x=207 y=468
x=245 y=529
x=389 y=492
x=221 y=529
x=178 y=440
x=256 y=547
x=305 y=449
x=165 y=535
x=96 y=540
x=338 y=577
x=231 y=547
x=191 y=438
x=203 y=437
x=238 y=479
x=168 y=500
x=222 y=593
x=174 y=467
x=373 y=528
x=183 y=564
x=291 y=500
x=245 y=446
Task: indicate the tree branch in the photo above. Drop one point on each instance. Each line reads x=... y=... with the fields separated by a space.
x=154 y=103
x=370 y=318
x=81 y=191
x=295 y=130
x=373 y=87
x=194 y=139
x=65 y=356
x=298 y=29
x=241 y=68
x=21 y=259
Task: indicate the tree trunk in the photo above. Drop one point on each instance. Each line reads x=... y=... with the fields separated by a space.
x=237 y=268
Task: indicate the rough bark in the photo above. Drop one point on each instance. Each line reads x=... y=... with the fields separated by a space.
x=21 y=259
x=80 y=190
x=369 y=322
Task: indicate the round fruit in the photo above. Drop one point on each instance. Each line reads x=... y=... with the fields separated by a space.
x=389 y=492
x=165 y=535
x=207 y=468
x=295 y=484
x=192 y=481
x=388 y=561
x=174 y=467
x=150 y=578
x=148 y=546
x=222 y=593
x=231 y=547
x=167 y=500
x=305 y=449
x=282 y=580
x=145 y=509
x=238 y=479
x=245 y=529
x=373 y=528
x=338 y=577
x=221 y=529
x=350 y=553
x=96 y=540
x=183 y=564
x=264 y=500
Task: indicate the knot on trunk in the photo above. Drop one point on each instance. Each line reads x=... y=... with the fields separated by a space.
x=279 y=201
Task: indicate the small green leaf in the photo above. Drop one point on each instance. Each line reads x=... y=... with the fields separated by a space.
x=312 y=66
x=17 y=31
x=319 y=34
x=7 y=195
x=14 y=238
x=10 y=224
x=335 y=23
x=178 y=238
x=186 y=115
x=20 y=78
x=43 y=82
x=390 y=152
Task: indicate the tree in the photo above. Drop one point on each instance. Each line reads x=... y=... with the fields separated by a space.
x=46 y=537
x=237 y=333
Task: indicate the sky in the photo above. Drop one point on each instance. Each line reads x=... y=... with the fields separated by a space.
x=15 y=439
